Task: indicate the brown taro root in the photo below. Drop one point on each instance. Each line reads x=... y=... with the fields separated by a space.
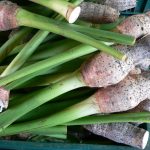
x=142 y=107
x=136 y=25
x=120 y=5
x=8 y=17
x=124 y=133
x=102 y=70
x=140 y=53
x=125 y=95
x=4 y=98
x=97 y=13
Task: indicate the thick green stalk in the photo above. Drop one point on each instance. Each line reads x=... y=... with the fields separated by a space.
x=124 y=117
x=61 y=102
x=49 y=49
x=47 y=137
x=76 y=111
x=23 y=80
x=67 y=67
x=12 y=42
x=40 y=97
x=53 y=130
x=46 y=80
x=127 y=117
x=47 y=109
x=43 y=23
x=97 y=33
x=50 y=63
x=26 y=52
x=64 y=8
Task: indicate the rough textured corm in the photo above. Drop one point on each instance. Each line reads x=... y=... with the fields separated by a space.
x=140 y=53
x=102 y=70
x=8 y=12
x=97 y=13
x=136 y=25
x=125 y=95
x=124 y=133
x=120 y=5
x=4 y=98
x=143 y=106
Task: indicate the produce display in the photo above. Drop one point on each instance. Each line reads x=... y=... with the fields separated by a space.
x=74 y=70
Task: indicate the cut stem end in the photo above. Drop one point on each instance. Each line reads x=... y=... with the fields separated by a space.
x=73 y=14
x=145 y=139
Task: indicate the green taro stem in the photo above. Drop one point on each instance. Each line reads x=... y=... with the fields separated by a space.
x=44 y=23
x=40 y=97
x=99 y=119
x=26 y=52
x=112 y=118
x=62 y=7
x=84 y=108
x=8 y=46
x=49 y=63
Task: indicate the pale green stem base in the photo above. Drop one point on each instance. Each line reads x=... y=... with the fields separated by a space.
x=50 y=63
x=112 y=118
x=38 y=98
x=76 y=111
x=52 y=130
x=46 y=80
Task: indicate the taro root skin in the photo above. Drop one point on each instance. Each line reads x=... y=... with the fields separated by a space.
x=143 y=106
x=124 y=133
x=125 y=95
x=120 y=5
x=8 y=12
x=4 y=98
x=97 y=13
x=102 y=70
x=136 y=25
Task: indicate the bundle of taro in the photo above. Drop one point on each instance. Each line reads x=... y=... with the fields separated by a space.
x=74 y=63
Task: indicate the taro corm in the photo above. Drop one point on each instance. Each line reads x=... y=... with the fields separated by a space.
x=136 y=25
x=124 y=133
x=120 y=5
